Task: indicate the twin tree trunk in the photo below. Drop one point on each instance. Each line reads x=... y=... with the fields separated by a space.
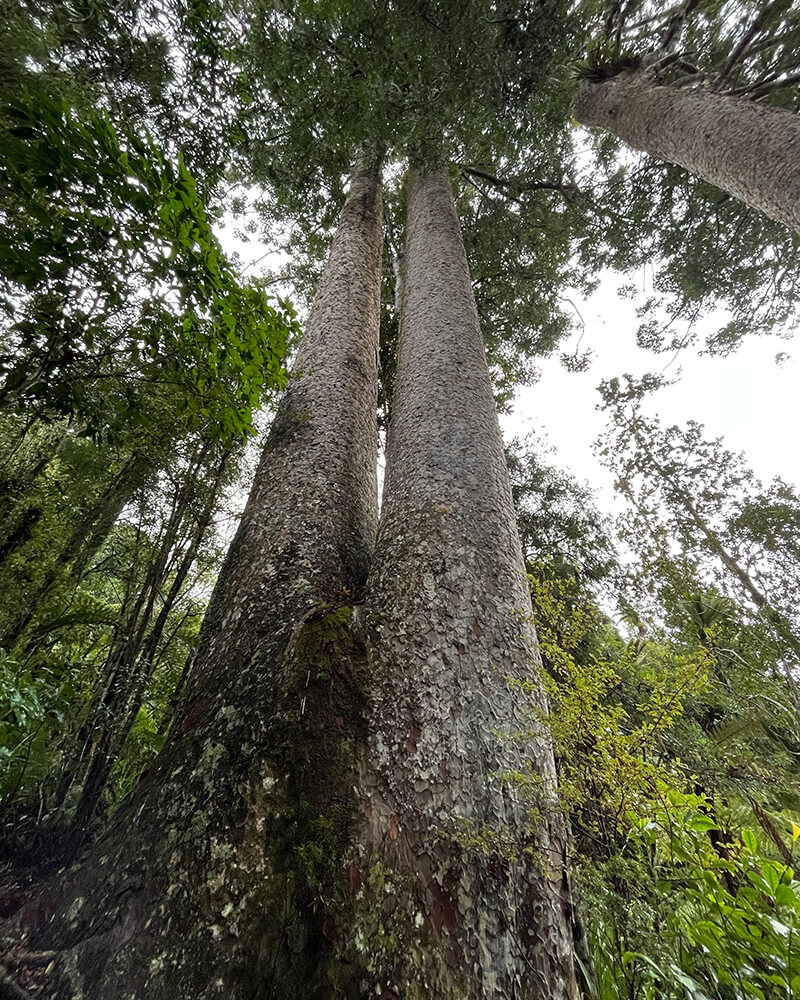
x=750 y=150
x=335 y=813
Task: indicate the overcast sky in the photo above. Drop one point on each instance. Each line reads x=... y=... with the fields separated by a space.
x=747 y=398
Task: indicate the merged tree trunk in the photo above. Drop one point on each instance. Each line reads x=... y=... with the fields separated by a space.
x=336 y=813
x=750 y=150
x=202 y=886
x=458 y=884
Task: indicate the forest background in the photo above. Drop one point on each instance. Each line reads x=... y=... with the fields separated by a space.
x=138 y=358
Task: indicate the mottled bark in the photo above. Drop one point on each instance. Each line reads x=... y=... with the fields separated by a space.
x=458 y=890
x=750 y=150
x=207 y=883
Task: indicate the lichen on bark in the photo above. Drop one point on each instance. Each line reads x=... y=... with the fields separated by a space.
x=210 y=879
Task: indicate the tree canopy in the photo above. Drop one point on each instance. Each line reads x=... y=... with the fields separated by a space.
x=136 y=355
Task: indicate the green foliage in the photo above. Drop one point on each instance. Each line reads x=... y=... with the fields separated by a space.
x=732 y=532
x=732 y=46
x=32 y=703
x=443 y=81
x=563 y=534
x=115 y=291
x=436 y=84
x=682 y=898
x=613 y=706
x=141 y=748
x=161 y=67
x=690 y=251
x=115 y=631
x=714 y=920
x=675 y=728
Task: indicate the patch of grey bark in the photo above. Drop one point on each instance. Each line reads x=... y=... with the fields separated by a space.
x=749 y=149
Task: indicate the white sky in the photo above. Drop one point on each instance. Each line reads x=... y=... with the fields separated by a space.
x=747 y=398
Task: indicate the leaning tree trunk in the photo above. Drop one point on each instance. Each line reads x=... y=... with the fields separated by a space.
x=458 y=879
x=115 y=716
x=88 y=534
x=200 y=888
x=750 y=150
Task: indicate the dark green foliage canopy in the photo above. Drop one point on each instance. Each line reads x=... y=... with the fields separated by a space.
x=115 y=287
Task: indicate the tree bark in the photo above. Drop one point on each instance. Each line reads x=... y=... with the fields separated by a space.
x=337 y=811
x=750 y=150
x=206 y=884
x=459 y=895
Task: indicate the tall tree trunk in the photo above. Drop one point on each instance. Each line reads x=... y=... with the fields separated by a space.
x=750 y=150
x=714 y=544
x=459 y=895
x=193 y=890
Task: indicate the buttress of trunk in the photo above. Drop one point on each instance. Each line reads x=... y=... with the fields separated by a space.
x=750 y=150
x=201 y=885
x=458 y=893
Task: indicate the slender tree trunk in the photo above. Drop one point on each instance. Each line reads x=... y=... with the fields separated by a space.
x=750 y=150
x=20 y=531
x=112 y=688
x=105 y=713
x=201 y=886
x=87 y=535
x=115 y=718
x=714 y=544
x=459 y=894
x=19 y=469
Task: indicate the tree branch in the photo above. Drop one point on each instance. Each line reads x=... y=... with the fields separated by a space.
x=514 y=184
x=764 y=87
x=740 y=50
